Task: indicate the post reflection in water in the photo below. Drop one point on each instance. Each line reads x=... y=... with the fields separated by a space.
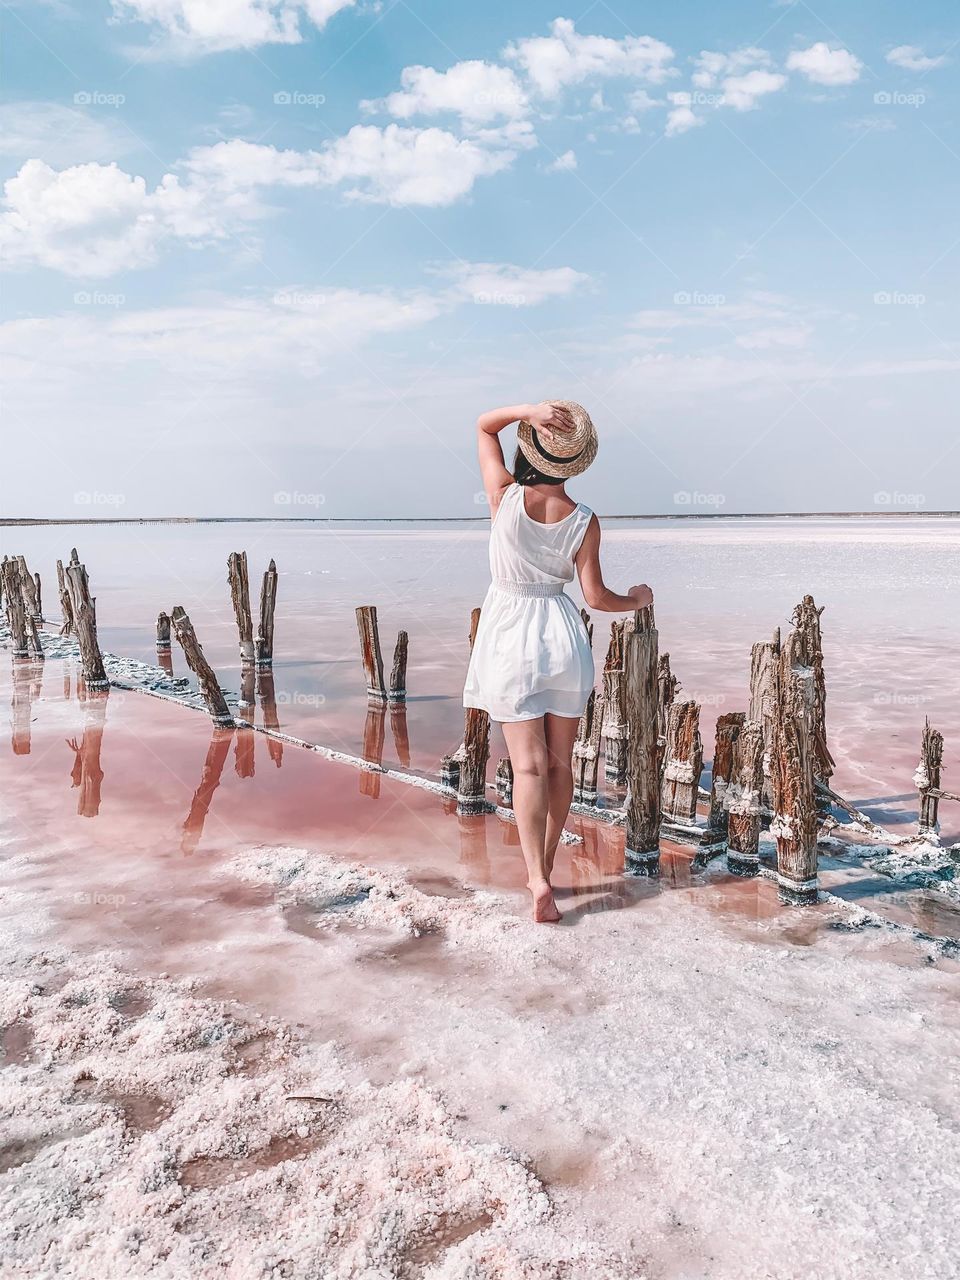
x=398 y=727
x=374 y=732
x=87 y=773
x=216 y=758
x=473 y=846
x=27 y=685
x=271 y=720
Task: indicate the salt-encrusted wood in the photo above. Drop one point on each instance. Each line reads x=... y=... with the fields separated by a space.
x=683 y=764
x=667 y=686
x=206 y=676
x=397 y=691
x=809 y=653
x=370 y=652
x=84 y=609
x=163 y=633
x=927 y=779
x=615 y=731
x=764 y=676
x=28 y=585
x=642 y=840
x=743 y=801
x=36 y=643
x=37 y=587
x=239 y=581
x=586 y=750
x=263 y=645
x=504 y=782
x=471 y=786
x=721 y=772
x=14 y=606
x=66 y=609
x=248 y=684
x=450 y=770
x=794 y=823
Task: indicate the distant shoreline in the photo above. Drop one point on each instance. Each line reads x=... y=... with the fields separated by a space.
x=321 y=520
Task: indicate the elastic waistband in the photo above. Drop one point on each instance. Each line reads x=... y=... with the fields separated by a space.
x=538 y=590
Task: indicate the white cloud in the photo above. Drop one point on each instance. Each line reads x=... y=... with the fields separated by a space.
x=97 y=220
x=742 y=92
x=824 y=65
x=565 y=163
x=640 y=100
x=567 y=58
x=912 y=58
x=491 y=281
x=681 y=118
x=710 y=66
x=212 y=26
x=478 y=92
x=60 y=134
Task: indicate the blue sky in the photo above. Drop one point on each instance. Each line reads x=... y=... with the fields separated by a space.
x=273 y=257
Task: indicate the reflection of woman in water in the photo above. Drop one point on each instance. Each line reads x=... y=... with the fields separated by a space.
x=532 y=666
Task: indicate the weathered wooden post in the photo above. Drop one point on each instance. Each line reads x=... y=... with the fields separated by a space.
x=586 y=750
x=471 y=784
x=809 y=653
x=743 y=801
x=721 y=773
x=29 y=587
x=667 y=687
x=764 y=678
x=792 y=773
x=683 y=764
x=220 y=713
x=263 y=645
x=615 y=725
x=14 y=605
x=397 y=691
x=927 y=779
x=370 y=652
x=163 y=633
x=84 y=609
x=504 y=782
x=474 y=623
x=240 y=597
x=39 y=595
x=642 y=843
x=66 y=609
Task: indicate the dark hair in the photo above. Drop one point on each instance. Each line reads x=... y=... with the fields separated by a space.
x=524 y=472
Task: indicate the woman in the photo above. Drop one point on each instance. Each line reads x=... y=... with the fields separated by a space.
x=531 y=666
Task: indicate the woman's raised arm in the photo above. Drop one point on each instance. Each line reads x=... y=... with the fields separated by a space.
x=596 y=593
x=493 y=470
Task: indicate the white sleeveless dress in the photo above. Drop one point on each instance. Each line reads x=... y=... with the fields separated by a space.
x=531 y=654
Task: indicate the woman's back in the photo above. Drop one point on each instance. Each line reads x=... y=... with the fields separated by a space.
x=524 y=548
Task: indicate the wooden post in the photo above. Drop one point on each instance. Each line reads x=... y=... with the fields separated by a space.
x=450 y=771
x=84 y=609
x=398 y=673
x=263 y=645
x=36 y=643
x=667 y=686
x=163 y=633
x=721 y=772
x=586 y=750
x=642 y=844
x=36 y=584
x=240 y=596
x=809 y=653
x=927 y=779
x=615 y=728
x=66 y=609
x=206 y=676
x=504 y=782
x=792 y=773
x=28 y=584
x=14 y=604
x=764 y=677
x=471 y=785
x=743 y=801
x=370 y=652
x=683 y=764
x=474 y=623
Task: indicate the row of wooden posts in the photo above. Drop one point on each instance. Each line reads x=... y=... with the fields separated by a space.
x=770 y=762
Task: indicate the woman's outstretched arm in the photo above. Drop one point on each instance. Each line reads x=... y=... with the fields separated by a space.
x=493 y=470
x=596 y=593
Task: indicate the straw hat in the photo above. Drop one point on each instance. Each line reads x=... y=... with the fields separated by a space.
x=560 y=453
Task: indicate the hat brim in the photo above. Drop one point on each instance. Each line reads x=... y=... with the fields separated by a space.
x=551 y=464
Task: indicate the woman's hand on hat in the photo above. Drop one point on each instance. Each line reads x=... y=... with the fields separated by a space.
x=551 y=417
x=641 y=595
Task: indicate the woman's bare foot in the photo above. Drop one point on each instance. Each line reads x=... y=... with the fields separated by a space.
x=544 y=907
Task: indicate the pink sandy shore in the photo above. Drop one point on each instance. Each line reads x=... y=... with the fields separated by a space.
x=350 y=1055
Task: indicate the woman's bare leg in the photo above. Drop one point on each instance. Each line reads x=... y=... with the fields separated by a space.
x=527 y=745
x=560 y=733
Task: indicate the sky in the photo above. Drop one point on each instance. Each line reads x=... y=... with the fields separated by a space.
x=273 y=257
